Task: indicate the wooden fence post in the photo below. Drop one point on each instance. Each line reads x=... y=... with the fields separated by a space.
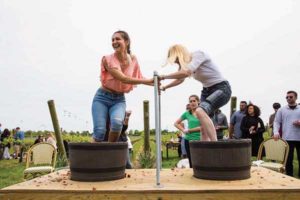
x=146 y=127
x=232 y=105
x=60 y=144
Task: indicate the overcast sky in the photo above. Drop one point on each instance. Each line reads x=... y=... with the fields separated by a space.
x=52 y=49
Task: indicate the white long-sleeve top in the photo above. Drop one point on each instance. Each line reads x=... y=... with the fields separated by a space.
x=204 y=70
x=285 y=117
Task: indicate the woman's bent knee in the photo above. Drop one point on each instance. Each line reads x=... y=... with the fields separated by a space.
x=116 y=125
x=99 y=133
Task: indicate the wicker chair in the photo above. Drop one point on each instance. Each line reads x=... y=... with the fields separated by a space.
x=276 y=154
x=41 y=159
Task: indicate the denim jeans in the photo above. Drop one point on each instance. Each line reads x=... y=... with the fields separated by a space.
x=107 y=104
x=183 y=150
x=215 y=97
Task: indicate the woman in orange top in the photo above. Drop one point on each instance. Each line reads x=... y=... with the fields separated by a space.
x=120 y=71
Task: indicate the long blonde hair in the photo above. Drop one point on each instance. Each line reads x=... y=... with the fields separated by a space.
x=179 y=53
x=50 y=135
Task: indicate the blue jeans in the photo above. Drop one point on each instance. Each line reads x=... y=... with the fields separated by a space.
x=107 y=104
x=215 y=97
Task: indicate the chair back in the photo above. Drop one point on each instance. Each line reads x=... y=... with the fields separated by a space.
x=275 y=150
x=41 y=153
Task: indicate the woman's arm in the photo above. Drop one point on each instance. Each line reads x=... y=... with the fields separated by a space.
x=196 y=129
x=178 y=124
x=172 y=84
x=181 y=74
x=261 y=129
x=117 y=74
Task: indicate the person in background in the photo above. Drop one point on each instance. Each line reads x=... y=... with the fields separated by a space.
x=179 y=140
x=130 y=152
x=38 y=139
x=51 y=139
x=4 y=139
x=216 y=89
x=66 y=146
x=194 y=127
x=120 y=71
x=288 y=117
x=220 y=122
x=253 y=127
x=276 y=106
x=1 y=152
x=18 y=141
x=124 y=138
x=235 y=121
x=186 y=127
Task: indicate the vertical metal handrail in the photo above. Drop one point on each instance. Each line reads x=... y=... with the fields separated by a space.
x=159 y=121
x=157 y=127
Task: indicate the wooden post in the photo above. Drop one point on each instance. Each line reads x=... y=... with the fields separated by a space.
x=60 y=145
x=232 y=105
x=146 y=127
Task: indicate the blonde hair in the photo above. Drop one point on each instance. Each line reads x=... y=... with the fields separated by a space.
x=180 y=54
x=51 y=135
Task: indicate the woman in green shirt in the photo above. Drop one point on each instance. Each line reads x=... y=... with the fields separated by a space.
x=193 y=131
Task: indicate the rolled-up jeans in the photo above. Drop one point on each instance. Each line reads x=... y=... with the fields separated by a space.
x=106 y=104
x=215 y=97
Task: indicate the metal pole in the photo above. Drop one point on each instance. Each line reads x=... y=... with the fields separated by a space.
x=157 y=128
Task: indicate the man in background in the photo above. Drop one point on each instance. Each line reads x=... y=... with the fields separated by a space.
x=220 y=122
x=288 y=117
x=276 y=106
x=235 y=121
x=18 y=140
x=0 y=129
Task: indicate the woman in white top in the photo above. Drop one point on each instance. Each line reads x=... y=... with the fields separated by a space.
x=216 y=90
x=51 y=139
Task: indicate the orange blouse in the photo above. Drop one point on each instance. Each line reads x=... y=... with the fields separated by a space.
x=108 y=81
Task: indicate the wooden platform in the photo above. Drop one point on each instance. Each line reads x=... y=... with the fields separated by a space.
x=140 y=184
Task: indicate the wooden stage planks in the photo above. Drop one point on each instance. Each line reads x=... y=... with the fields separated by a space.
x=140 y=184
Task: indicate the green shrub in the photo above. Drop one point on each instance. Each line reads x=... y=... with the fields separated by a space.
x=146 y=160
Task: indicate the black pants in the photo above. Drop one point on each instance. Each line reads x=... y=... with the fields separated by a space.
x=188 y=153
x=179 y=150
x=289 y=163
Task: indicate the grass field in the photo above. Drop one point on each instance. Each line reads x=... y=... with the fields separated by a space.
x=11 y=172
